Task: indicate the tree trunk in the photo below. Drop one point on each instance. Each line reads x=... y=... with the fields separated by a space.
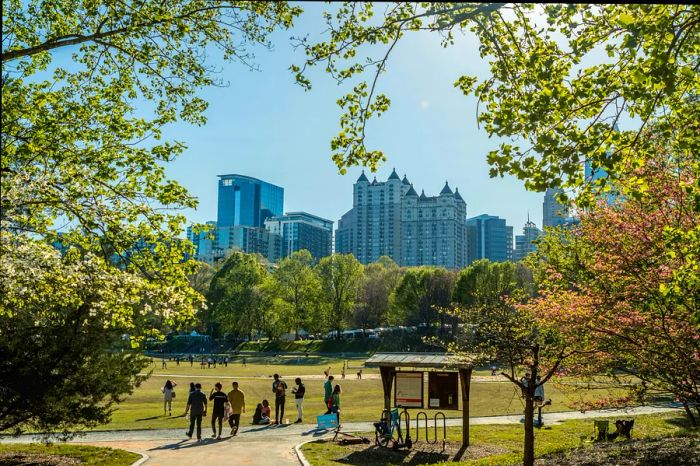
x=693 y=422
x=529 y=444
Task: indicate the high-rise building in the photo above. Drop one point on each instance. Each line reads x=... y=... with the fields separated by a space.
x=525 y=243
x=554 y=214
x=389 y=218
x=247 y=201
x=300 y=230
x=250 y=240
x=433 y=229
x=489 y=238
x=345 y=234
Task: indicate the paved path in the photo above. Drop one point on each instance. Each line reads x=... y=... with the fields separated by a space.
x=269 y=445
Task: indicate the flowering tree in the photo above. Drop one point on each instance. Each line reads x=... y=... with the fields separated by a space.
x=82 y=168
x=624 y=284
x=499 y=329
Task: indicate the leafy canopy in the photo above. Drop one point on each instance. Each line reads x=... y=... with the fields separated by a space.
x=544 y=99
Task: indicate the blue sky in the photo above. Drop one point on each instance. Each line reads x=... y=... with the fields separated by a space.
x=264 y=125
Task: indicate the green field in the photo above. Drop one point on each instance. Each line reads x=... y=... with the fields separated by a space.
x=34 y=453
x=506 y=442
x=361 y=399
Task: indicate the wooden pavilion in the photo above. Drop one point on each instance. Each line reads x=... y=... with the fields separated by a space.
x=391 y=363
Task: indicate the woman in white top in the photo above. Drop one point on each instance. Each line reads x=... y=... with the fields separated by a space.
x=168 y=395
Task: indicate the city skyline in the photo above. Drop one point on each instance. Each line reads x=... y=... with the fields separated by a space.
x=263 y=125
x=528 y=215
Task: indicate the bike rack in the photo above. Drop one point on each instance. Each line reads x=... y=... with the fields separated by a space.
x=418 y=417
x=444 y=429
x=407 y=443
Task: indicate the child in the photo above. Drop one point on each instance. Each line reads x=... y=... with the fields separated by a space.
x=262 y=413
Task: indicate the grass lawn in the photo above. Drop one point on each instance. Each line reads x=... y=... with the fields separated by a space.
x=361 y=399
x=505 y=441
x=34 y=453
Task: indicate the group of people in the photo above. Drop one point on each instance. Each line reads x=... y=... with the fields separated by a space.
x=225 y=406
x=229 y=406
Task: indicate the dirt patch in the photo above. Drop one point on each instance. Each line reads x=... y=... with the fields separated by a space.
x=652 y=452
x=36 y=459
x=421 y=453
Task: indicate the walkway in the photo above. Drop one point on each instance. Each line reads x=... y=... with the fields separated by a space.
x=269 y=445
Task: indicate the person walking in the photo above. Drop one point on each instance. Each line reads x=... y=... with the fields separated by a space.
x=327 y=390
x=219 y=398
x=164 y=364
x=236 y=399
x=335 y=402
x=299 y=392
x=191 y=360
x=168 y=395
x=197 y=407
x=279 y=388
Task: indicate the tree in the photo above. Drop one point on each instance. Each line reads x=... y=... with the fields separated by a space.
x=238 y=295
x=340 y=276
x=621 y=285
x=498 y=328
x=83 y=169
x=297 y=285
x=540 y=90
x=62 y=318
x=379 y=281
x=423 y=296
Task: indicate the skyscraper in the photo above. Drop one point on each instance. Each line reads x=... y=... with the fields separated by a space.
x=554 y=214
x=433 y=229
x=524 y=244
x=489 y=238
x=389 y=218
x=244 y=204
x=300 y=230
x=247 y=201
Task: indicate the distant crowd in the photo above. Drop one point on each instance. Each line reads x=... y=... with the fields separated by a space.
x=228 y=407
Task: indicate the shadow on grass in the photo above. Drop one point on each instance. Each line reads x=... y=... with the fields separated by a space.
x=381 y=455
x=681 y=421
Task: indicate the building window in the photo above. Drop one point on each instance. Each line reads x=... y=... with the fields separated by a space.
x=227 y=182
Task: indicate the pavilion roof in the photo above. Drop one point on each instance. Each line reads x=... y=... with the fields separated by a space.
x=420 y=360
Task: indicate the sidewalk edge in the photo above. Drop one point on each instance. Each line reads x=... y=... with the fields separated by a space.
x=300 y=456
x=140 y=461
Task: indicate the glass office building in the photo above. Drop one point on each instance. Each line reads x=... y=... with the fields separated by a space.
x=300 y=230
x=247 y=201
x=489 y=238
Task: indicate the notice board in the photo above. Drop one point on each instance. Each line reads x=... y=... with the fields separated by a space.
x=408 y=390
x=443 y=390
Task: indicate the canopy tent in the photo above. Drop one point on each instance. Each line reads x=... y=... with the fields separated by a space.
x=388 y=364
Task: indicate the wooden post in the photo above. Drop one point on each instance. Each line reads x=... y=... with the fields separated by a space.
x=387 y=381
x=465 y=376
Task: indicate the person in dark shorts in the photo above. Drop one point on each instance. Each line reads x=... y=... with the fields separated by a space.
x=236 y=399
x=220 y=400
x=197 y=407
x=279 y=388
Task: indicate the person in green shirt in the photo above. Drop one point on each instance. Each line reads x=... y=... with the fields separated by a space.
x=236 y=399
x=327 y=390
x=335 y=402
